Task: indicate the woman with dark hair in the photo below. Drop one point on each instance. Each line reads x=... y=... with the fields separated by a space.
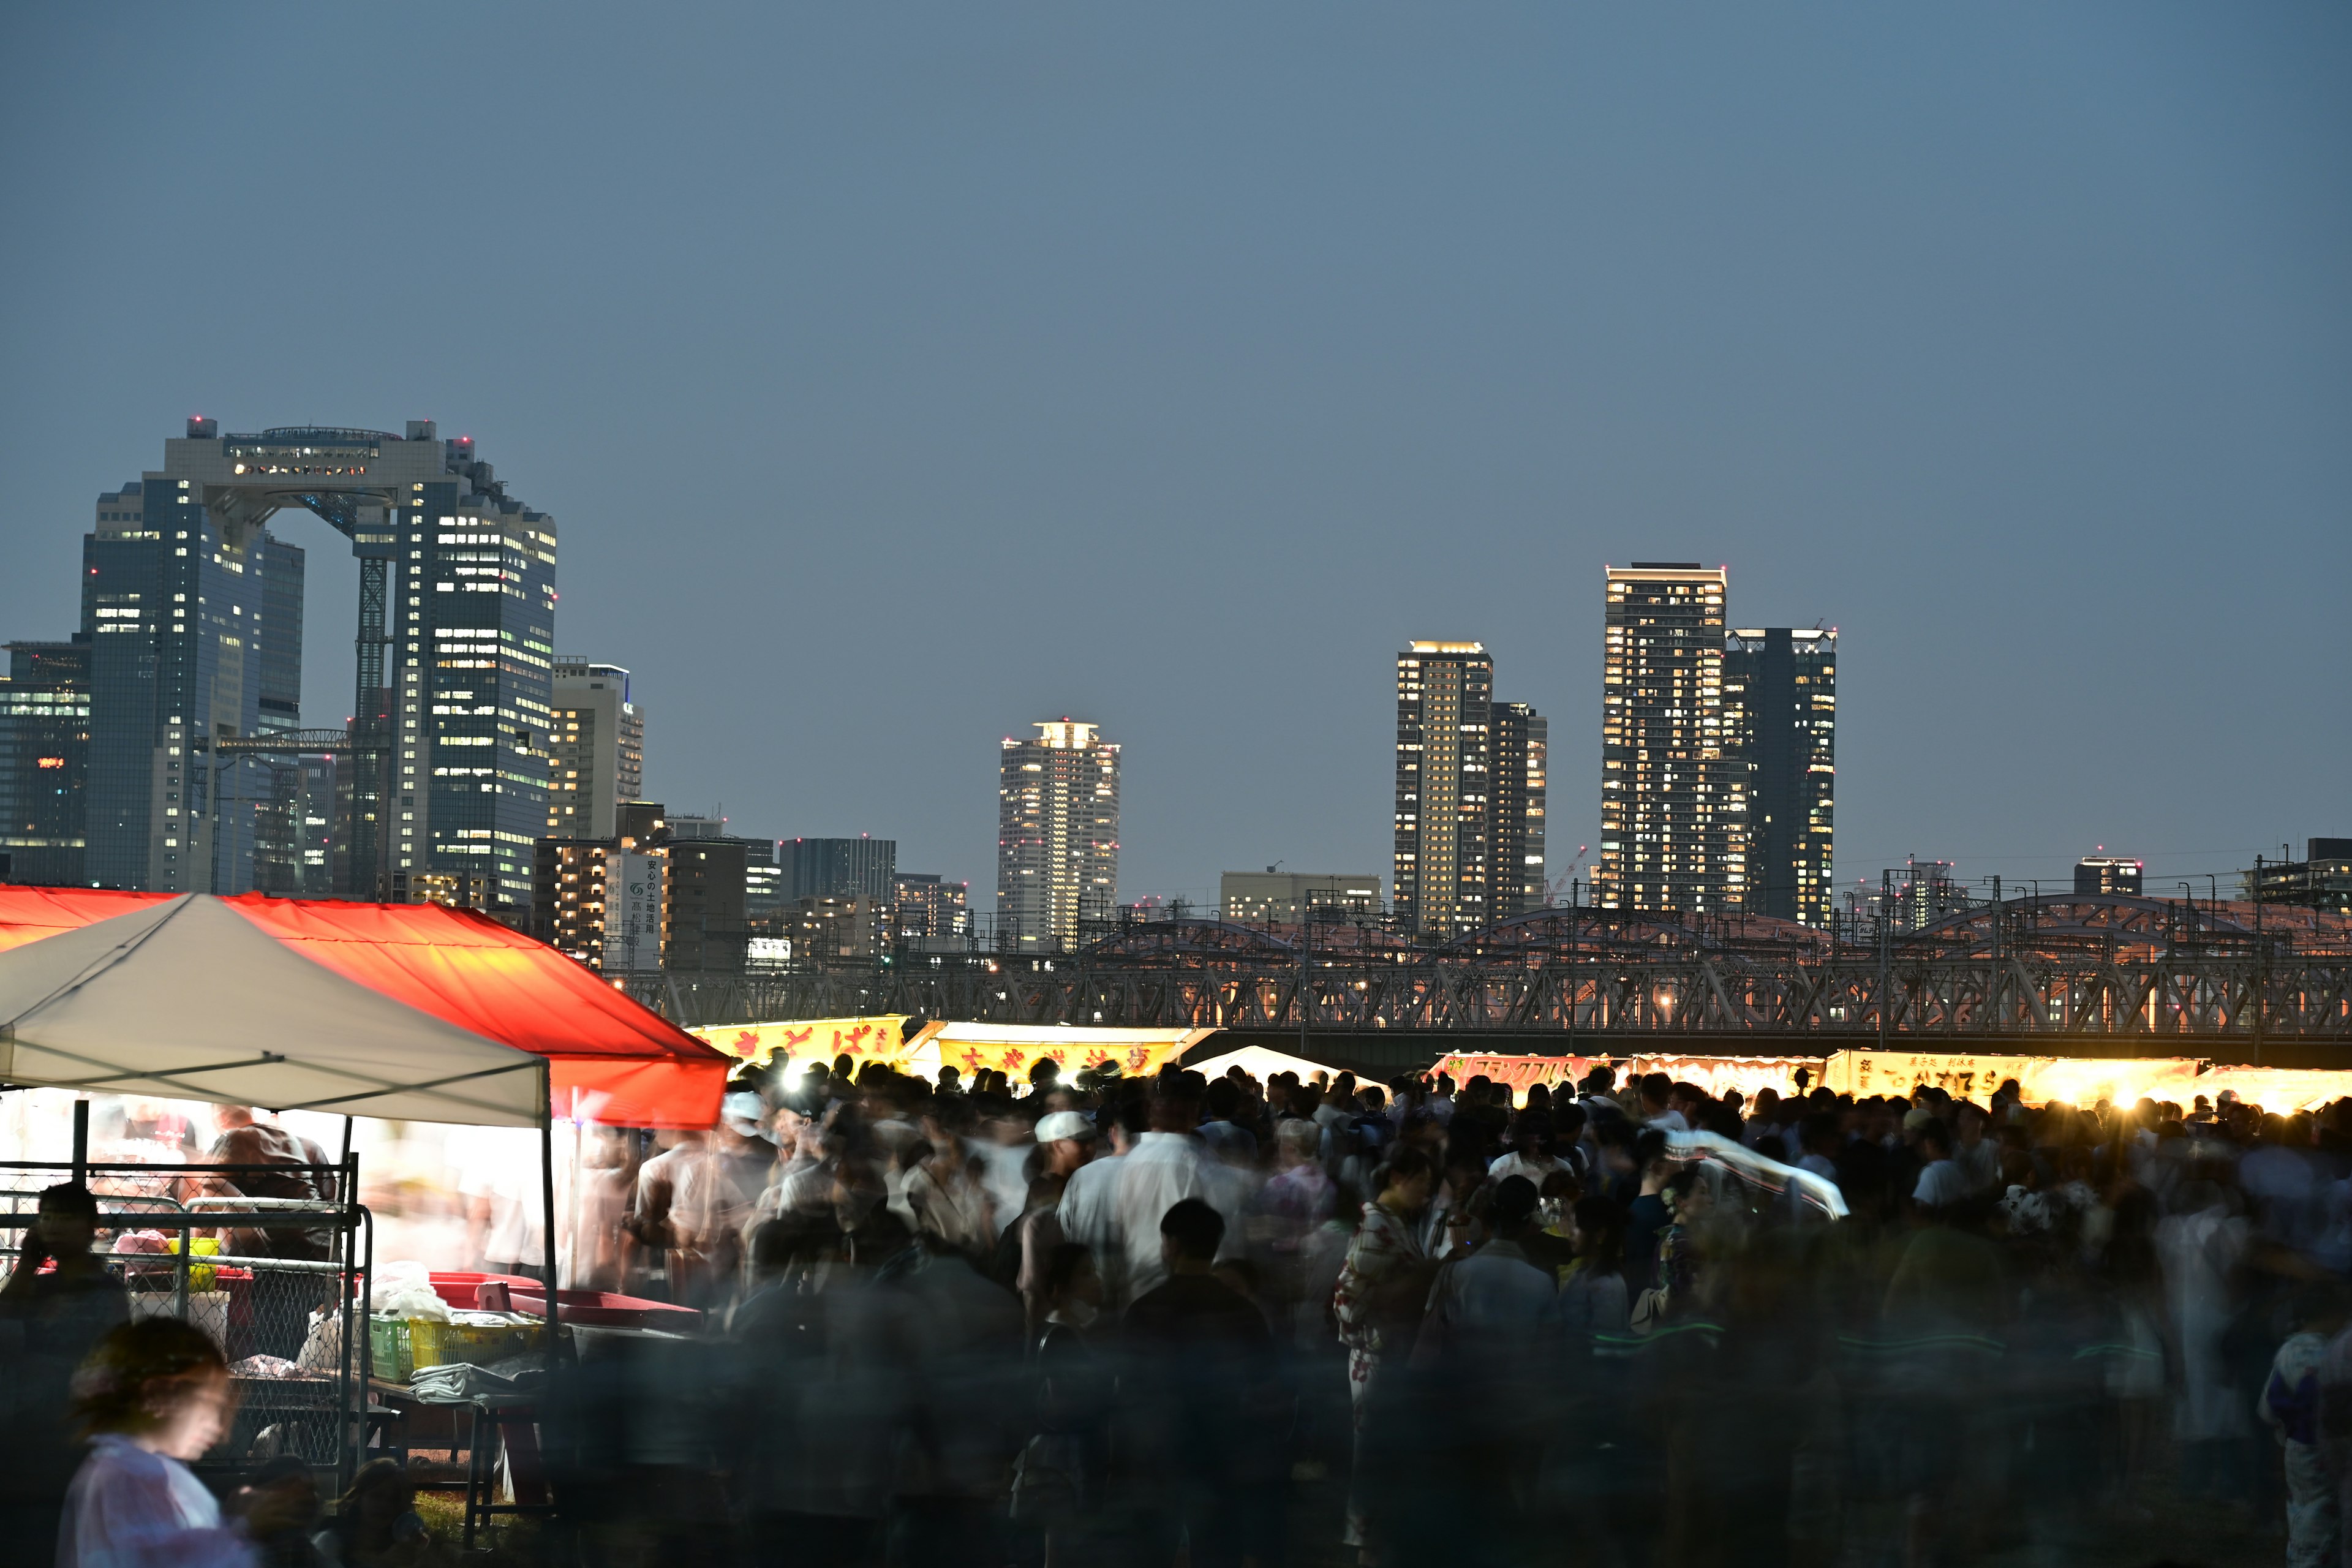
x=1593 y=1295
x=153 y=1395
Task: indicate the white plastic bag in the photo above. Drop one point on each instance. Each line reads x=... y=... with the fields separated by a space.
x=404 y=1290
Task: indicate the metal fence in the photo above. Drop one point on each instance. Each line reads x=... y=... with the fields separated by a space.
x=293 y=1327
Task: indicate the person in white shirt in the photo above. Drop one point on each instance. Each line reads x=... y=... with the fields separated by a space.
x=1655 y=1111
x=1941 y=1181
x=1531 y=1155
x=1088 y=1210
x=1169 y=1166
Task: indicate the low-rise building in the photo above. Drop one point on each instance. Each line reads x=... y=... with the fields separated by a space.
x=1282 y=897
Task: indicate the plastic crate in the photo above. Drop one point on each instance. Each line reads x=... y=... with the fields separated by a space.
x=437 y=1345
x=388 y=1347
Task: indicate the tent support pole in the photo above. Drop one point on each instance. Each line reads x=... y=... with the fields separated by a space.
x=81 y=1142
x=547 y=1201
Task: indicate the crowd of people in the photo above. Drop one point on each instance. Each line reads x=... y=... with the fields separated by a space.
x=1119 y=1320
x=1122 y=1320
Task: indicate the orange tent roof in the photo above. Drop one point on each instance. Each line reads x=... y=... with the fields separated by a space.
x=609 y=1058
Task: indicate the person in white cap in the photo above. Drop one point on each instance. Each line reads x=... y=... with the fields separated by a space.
x=1066 y=1141
x=715 y=1195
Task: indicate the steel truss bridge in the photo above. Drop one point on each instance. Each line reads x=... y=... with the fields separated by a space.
x=2132 y=976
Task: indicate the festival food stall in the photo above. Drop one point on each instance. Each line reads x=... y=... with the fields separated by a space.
x=406 y=1012
x=1716 y=1075
x=1010 y=1048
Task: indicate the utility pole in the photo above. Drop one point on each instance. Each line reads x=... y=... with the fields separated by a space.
x=1999 y=914
x=1886 y=938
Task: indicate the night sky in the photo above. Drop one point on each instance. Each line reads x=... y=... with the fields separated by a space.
x=902 y=375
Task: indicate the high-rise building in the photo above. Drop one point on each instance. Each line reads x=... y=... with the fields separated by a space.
x=1779 y=728
x=841 y=867
x=705 y=926
x=1445 y=760
x=596 y=749
x=1673 y=800
x=605 y=902
x=1522 y=740
x=766 y=888
x=1057 y=836
x=602 y=904
x=2098 y=875
x=1285 y=897
x=447 y=751
x=178 y=612
x=932 y=914
x=44 y=762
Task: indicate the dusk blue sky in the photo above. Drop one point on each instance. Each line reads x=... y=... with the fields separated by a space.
x=902 y=375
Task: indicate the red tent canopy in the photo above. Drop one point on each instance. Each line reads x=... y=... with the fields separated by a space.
x=608 y=1058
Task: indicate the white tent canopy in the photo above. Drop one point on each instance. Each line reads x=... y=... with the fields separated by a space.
x=1261 y=1064
x=189 y=1000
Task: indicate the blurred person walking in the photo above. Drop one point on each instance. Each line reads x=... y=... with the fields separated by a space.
x=51 y=1321
x=1383 y=1285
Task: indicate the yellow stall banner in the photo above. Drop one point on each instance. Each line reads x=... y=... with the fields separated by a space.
x=1013 y=1049
x=871 y=1039
x=2281 y=1090
x=2077 y=1081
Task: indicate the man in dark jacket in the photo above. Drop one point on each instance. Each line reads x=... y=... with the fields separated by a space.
x=1200 y=1400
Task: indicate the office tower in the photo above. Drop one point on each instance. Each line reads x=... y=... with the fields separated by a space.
x=1285 y=897
x=841 y=867
x=766 y=890
x=44 y=762
x=1673 y=807
x=1522 y=737
x=280 y=789
x=932 y=914
x=1445 y=754
x=706 y=926
x=179 y=610
x=444 y=765
x=1057 y=836
x=2097 y=875
x=596 y=749
x=1780 y=726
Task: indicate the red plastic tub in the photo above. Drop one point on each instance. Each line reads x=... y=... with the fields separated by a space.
x=455 y=1287
x=607 y=1309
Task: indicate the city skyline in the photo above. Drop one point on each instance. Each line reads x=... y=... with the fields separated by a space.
x=1188 y=420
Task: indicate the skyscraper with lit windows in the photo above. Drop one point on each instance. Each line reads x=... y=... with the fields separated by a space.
x=1522 y=740
x=1057 y=836
x=1779 y=701
x=449 y=729
x=1444 y=779
x=1673 y=829
x=596 y=749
